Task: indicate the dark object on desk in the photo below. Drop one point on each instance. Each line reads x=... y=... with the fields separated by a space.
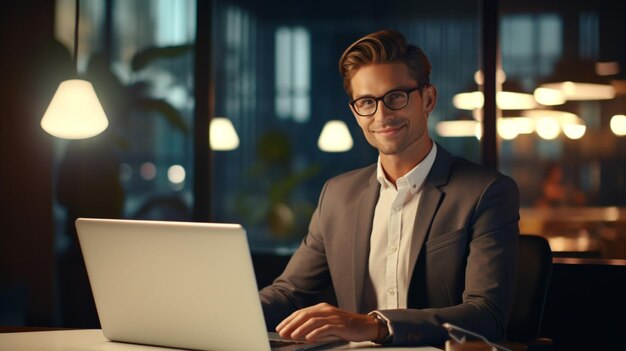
x=534 y=271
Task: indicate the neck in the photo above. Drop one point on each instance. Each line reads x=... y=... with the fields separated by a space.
x=397 y=165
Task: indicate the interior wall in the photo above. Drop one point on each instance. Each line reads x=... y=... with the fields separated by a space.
x=26 y=229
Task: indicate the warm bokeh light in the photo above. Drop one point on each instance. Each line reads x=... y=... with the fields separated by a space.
x=618 y=125
x=583 y=91
x=148 y=170
x=523 y=125
x=548 y=128
x=74 y=111
x=507 y=129
x=561 y=116
x=176 y=174
x=335 y=137
x=549 y=97
x=507 y=100
x=222 y=135
x=479 y=78
x=468 y=101
x=457 y=128
x=608 y=68
x=574 y=131
x=478 y=131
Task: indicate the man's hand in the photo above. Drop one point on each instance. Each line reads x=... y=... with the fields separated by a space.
x=324 y=321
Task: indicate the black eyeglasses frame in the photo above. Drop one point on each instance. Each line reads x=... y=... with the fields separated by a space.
x=382 y=98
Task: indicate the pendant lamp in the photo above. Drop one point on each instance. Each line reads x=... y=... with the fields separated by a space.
x=74 y=111
x=335 y=137
x=222 y=134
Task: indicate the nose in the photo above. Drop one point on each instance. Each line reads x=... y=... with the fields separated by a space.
x=382 y=111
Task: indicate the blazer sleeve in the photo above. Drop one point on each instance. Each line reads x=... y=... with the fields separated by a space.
x=304 y=281
x=490 y=275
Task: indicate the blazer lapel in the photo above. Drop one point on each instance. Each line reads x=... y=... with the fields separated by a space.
x=430 y=200
x=361 y=237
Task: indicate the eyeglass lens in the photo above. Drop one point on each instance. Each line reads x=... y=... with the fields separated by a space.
x=394 y=100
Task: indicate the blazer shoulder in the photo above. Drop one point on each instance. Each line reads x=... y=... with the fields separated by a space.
x=355 y=178
x=473 y=173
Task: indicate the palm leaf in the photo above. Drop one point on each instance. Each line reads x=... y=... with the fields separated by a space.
x=145 y=57
x=168 y=111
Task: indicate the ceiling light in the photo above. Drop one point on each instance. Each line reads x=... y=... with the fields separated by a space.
x=74 y=111
x=618 y=125
x=457 y=128
x=548 y=128
x=506 y=100
x=222 y=135
x=549 y=96
x=578 y=80
x=335 y=137
x=574 y=131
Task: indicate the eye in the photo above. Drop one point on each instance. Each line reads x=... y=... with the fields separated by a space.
x=364 y=102
x=394 y=95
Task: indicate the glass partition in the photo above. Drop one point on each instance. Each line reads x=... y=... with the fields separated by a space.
x=569 y=162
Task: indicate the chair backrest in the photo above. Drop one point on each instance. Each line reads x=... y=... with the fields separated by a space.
x=534 y=270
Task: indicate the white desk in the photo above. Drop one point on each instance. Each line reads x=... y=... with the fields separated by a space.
x=93 y=340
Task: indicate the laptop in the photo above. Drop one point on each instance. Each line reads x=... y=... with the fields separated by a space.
x=175 y=284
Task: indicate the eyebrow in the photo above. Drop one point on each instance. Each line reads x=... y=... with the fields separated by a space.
x=387 y=92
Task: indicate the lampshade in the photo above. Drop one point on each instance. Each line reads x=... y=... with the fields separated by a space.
x=335 y=137
x=222 y=135
x=74 y=112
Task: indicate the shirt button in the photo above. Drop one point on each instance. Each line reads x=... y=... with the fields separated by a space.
x=397 y=208
x=393 y=249
x=391 y=292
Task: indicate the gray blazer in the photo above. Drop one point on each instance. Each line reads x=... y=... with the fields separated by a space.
x=463 y=256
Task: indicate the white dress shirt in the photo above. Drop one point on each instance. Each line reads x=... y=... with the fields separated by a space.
x=390 y=242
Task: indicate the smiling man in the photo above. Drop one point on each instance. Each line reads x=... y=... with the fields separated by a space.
x=416 y=240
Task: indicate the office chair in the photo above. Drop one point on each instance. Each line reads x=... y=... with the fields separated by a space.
x=534 y=270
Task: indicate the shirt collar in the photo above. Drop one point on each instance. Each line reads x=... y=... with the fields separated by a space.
x=414 y=178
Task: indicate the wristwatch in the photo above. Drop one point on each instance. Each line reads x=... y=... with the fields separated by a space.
x=383 y=336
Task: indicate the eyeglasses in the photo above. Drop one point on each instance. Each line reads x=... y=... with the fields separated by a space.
x=394 y=100
x=459 y=335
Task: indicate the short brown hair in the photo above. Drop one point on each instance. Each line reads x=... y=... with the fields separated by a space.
x=385 y=46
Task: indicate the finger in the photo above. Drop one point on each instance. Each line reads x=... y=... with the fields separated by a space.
x=326 y=332
x=312 y=324
x=297 y=318
x=285 y=321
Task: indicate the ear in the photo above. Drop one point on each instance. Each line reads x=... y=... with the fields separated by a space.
x=429 y=98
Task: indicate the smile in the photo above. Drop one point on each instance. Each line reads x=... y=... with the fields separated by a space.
x=389 y=130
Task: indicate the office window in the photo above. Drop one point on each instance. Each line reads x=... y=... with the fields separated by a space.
x=293 y=76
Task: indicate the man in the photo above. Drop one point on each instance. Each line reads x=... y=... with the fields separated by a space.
x=416 y=240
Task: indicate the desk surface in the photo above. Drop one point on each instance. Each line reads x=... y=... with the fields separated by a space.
x=93 y=340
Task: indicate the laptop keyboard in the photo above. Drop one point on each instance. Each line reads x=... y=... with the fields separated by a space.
x=281 y=343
